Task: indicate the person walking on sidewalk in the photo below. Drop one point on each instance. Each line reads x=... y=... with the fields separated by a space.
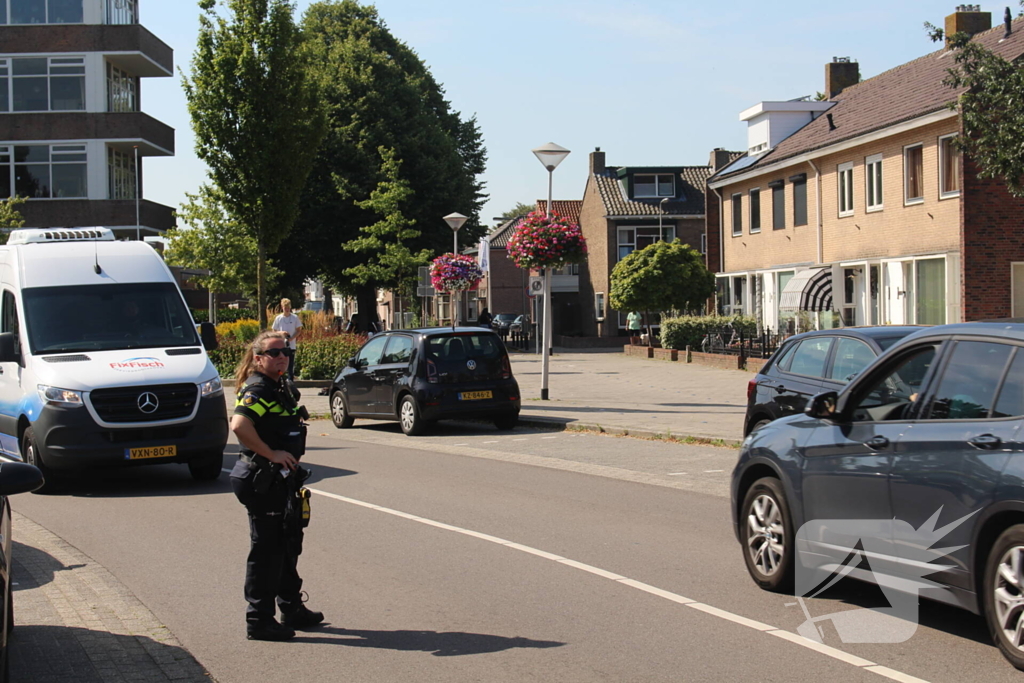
x=633 y=325
x=290 y=324
x=268 y=423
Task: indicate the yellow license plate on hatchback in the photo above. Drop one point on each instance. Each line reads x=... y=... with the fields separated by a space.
x=151 y=452
x=475 y=395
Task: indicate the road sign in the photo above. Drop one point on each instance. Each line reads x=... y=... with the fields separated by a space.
x=425 y=291
x=536 y=286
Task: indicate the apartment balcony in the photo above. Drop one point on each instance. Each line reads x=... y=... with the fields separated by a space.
x=120 y=130
x=130 y=47
x=106 y=213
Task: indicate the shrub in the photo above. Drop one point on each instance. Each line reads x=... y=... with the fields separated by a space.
x=242 y=330
x=224 y=315
x=227 y=356
x=317 y=325
x=323 y=358
x=689 y=330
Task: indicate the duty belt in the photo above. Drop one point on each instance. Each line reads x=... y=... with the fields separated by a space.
x=245 y=458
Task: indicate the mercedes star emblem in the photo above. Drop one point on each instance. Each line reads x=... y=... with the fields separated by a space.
x=148 y=402
x=471 y=364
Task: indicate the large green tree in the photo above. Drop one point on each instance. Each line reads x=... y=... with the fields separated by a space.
x=257 y=118
x=661 y=277
x=990 y=108
x=379 y=94
x=10 y=217
x=520 y=209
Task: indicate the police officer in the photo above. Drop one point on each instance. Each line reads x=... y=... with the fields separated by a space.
x=267 y=424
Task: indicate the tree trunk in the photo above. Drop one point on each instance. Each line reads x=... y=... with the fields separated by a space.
x=328 y=301
x=261 y=285
x=367 y=303
x=650 y=336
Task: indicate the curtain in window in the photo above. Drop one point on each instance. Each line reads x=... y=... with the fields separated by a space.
x=915 y=171
x=931 y=292
x=950 y=166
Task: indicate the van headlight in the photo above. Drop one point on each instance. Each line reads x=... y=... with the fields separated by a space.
x=211 y=388
x=57 y=396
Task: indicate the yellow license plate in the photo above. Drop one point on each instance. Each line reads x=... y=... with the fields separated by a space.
x=475 y=395
x=152 y=452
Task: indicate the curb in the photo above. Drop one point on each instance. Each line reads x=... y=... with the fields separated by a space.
x=563 y=425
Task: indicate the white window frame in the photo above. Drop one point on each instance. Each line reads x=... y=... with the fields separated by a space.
x=870 y=179
x=942 y=167
x=737 y=197
x=52 y=62
x=907 y=200
x=844 y=185
x=657 y=184
x=599 y=306
x=60 y=149
x=1014 y=265
x=750 y=210
x=704 y=243
x=668 y=231
x=5 y=6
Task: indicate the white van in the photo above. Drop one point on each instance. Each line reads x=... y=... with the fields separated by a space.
x=100 y=362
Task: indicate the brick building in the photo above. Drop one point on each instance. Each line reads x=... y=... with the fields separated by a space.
x=859 y=210
x=71 y=121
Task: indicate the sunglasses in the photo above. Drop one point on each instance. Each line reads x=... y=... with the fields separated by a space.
x=274 y=353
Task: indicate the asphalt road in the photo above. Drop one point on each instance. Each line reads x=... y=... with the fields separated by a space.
x=477 y=555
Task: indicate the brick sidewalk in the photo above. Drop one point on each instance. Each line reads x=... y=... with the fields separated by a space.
x=76 y=623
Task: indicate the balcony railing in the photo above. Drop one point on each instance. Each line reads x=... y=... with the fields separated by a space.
x=122 y=11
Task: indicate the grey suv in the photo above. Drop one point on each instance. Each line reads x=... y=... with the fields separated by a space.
x=929 y=435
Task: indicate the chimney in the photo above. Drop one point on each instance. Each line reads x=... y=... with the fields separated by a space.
x=719 y=159
x=597 y=161
x=840 y=75
x=967 y=19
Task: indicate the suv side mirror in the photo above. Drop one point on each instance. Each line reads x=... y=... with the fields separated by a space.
x=208 y=334
x=823 y=406
x=9 y=351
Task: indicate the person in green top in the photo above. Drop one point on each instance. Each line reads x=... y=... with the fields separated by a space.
x=633 y=323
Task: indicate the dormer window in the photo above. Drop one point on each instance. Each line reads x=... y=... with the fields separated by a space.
x=654 y=185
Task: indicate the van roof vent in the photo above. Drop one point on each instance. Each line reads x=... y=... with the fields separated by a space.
x=39 y=235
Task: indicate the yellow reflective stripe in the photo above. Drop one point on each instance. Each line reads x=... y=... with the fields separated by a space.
x=258 y=409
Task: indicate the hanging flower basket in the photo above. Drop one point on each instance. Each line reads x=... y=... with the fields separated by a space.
x=455 y=273
x=542 y=242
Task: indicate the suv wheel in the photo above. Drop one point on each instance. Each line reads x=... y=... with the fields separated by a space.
x=768 y=532
x=1004 y=594
x=339 y=413
x=409 y=416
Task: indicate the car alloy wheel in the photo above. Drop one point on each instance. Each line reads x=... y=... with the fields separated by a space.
x=339 y=413
x=768 y=547
x=1004 y=594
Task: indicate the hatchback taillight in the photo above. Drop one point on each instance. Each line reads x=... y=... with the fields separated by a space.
x=751 y=388
x=432 y=376
x=506 y=368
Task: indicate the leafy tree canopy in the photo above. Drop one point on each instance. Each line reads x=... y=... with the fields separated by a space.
x=661 y=277
x=257 y=118
x=10 y=217
x=520 y=209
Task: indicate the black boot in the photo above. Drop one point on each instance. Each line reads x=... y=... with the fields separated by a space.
x=270 y=630
x=301 y=618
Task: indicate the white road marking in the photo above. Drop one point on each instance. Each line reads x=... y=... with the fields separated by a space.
x=490 y=442
x=712 y=471
x=676 y=474
x=460 y=444
x=549 y=437
x=520 y=439
x=794 y=638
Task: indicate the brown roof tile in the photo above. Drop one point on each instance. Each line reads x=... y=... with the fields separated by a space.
x=692 y=182
x=566 y=208
x=906 y=92
x=499 y=236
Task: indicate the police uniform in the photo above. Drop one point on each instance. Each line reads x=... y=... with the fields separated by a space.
x=271 y=570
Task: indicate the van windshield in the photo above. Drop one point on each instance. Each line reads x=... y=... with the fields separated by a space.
x=107 y=317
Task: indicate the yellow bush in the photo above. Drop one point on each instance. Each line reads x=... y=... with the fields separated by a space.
x=241 y=330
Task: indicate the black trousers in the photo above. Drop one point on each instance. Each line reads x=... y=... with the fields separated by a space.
x=271 y=571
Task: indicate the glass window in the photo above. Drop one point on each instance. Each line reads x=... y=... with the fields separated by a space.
x=913 y=172
x=949 y=166
x=778 y=207
x=42 y=84
x=890 y=395
x=66 y=12
x=9 y=321
x=845 y=176
x=931 y=292
x=399 y=350
x=969 y=382
x=1011 y=396
x=737 y=214
x=372 y=352
x=632 y=239
x=654 y=185
x=786 y=357
x=121 y=90
x=852 y=356
x=5 y=82
x=45 y=172
x=755 y=210
x=29 y=88
x=28 y=11
x=800 y=203
x=599 y=305
x=5 y=172
x=873 y=181
x=809 y=359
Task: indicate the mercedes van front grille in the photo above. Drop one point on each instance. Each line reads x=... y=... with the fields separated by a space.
x=145 y=403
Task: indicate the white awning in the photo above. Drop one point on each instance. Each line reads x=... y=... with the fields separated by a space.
x=808 y=290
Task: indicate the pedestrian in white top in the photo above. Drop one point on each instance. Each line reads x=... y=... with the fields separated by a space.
x=290 y=324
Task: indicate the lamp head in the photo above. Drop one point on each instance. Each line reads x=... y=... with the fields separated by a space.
x=455 y=220
x=550 y=155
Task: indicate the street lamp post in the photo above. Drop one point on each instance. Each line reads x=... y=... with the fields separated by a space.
x=455 y=221
x=661 y=212
x=550 y=155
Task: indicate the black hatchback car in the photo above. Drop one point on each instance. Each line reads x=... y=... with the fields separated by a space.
x=420 y=376
x=15 y=477
x=926 y=443
x=810 y=363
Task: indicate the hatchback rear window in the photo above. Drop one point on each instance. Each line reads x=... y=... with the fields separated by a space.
x=463 y=347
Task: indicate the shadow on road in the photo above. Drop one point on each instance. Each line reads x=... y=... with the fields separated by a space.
x=439 y=644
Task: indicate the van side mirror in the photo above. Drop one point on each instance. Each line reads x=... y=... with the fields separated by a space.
x=208 y=334
x=823 y=406
x=9 y=348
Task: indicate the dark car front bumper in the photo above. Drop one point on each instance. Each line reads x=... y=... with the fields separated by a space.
x=69 y=439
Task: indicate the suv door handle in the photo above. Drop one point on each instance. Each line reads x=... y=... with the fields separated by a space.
x=985 y=441
x=877 y=443
x=779 y=389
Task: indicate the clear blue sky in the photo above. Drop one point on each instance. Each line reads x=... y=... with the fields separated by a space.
x=652 y=83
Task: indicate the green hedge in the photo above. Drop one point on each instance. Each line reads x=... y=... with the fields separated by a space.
x=689 y=330
x=318 y=359
x=225 y=315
